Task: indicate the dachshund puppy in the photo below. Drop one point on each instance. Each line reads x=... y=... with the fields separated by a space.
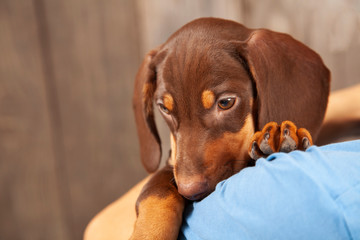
x=228 y=94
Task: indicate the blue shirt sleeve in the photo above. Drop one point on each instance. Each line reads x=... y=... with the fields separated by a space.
x=299 y=195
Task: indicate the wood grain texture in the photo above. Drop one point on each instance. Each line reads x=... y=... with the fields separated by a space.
x=95 y=58
x=30 y=202
x=331 y=28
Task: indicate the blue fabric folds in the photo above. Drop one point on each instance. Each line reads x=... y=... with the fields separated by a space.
x=299 y=195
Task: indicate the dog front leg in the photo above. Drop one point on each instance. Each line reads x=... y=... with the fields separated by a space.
x=159 y=208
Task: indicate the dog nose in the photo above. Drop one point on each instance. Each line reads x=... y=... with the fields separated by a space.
x=194 y=190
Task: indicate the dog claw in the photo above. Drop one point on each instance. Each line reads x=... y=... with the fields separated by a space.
x=287 y=145
x=275 y=138
x=286 y=132
x=287 y=142
x=253 y=152
x=265 y=145
x=306 y=143
x=267 y=136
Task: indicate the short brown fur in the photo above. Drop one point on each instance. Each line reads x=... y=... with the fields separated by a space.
x=270 y=76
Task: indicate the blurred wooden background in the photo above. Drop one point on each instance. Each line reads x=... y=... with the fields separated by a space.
x=68 y=144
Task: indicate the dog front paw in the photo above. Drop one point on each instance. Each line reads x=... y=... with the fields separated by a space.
x=279 y=138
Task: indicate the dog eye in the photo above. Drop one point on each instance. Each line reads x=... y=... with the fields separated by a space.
x=226 y=103
x=163 y=108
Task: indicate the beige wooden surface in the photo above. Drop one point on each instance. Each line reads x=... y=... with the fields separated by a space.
x=68 y=144
x=31 y=204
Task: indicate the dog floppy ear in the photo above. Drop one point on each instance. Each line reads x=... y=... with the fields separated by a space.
x=145 y=85
x=292 y=82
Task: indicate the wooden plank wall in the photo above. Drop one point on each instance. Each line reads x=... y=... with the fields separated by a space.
x=67 y=135
x=68 y=143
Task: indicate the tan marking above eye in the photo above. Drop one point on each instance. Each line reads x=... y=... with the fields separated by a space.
x=208 y=99
x=168 y=101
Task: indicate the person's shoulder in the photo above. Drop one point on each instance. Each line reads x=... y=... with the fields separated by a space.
x=332 y=166
x=319 y=156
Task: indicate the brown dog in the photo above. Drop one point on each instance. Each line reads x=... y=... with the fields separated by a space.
x=216 y=83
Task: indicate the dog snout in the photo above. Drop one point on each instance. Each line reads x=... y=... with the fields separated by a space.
x=194 y=189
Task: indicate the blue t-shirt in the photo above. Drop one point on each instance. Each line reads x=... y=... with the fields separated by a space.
x=299 y=195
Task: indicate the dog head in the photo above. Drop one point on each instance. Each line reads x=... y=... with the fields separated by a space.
x=215 y=83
